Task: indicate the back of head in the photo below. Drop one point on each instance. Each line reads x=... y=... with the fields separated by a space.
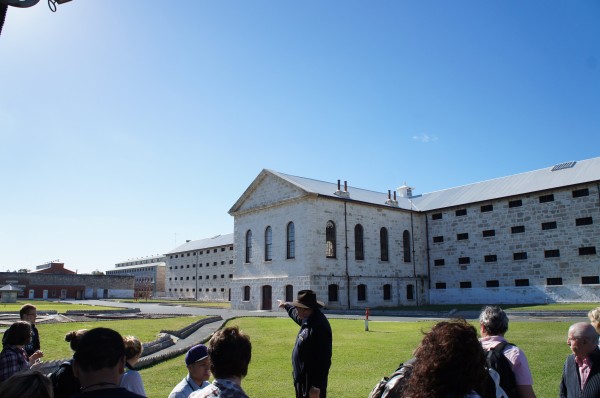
x=99 y=348
x=133 y=347
x=594 y=316
x=27 y=384
x=230 y=352
x=494 y=320
x=19 y=333
x=448 y=362
x=74 y=337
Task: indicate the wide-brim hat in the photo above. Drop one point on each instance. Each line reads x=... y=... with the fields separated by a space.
x=307 y=299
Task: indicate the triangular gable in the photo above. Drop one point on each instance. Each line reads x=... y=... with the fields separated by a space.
x=267 y=189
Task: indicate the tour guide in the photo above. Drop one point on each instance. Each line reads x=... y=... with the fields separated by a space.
x=311 y=357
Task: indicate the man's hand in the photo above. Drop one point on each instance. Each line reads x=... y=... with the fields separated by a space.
x=35 y=356
x=280 y=303
x=314 y=392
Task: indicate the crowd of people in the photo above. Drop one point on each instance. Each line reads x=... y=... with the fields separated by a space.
x=450 y=362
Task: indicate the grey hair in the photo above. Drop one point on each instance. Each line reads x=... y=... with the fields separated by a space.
x=583 y=330
x=494 y=320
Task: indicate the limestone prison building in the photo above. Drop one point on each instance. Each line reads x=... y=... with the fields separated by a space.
x=525 y=238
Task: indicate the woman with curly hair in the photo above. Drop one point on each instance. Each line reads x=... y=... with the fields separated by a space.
x=449 y=363
x=131 y=379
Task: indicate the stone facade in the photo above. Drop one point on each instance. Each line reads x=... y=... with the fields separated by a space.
x=201 y=270
x=149 y=273
x=529 y=247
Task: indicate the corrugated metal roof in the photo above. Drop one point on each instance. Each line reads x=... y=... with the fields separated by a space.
x=583 y=171
x=215 y=241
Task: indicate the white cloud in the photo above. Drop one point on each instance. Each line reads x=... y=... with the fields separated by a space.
x=425 y=138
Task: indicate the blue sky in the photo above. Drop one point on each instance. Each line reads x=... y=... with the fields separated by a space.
x=127 y=127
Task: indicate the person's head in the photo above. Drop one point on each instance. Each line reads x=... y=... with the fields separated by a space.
x=448 y=362
x=29 y=383
x=198 y=363
x=99 y=350
x=19 y=334
x=493 y=321
x=594 y=316
x=133 y=348
x=230 y=352
x=582 y=338
x=28 y=312
x=306 y=303
x=73 y=338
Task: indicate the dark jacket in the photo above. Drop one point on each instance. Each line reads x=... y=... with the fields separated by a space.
x=570 y=385
x=311 y=358
x=34 y=344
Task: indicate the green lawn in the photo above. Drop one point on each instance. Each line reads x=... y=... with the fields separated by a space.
x=361 y=358
x=53 y=342
x=52 y=306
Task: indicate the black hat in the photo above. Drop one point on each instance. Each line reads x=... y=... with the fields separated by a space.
x=307 y=299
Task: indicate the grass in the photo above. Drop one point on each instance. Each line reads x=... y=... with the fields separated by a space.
x=58 y=306
x=52 y=335
x=361 y=358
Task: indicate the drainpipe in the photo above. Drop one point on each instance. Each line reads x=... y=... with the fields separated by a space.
x=346 y=253
x=412 y=238
x=197 y=266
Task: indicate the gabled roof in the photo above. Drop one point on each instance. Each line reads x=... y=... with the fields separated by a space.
x=561 y=175
x=215 y=241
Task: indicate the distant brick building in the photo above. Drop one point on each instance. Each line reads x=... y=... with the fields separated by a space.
x=53 y=281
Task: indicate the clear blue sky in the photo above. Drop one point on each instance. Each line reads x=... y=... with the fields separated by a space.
x=127 y=127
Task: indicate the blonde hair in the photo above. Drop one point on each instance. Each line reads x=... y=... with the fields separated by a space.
x=594 y=316
x=133 y=347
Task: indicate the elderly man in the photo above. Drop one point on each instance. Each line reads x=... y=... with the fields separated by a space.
x=493 y=324
x=198 y=366
x=581 y=374
x=311 y=357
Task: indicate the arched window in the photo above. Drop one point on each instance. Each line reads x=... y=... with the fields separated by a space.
x=248 y=246
x=246 y=293
x=330 y=239
x=268 y=244
x=410 y=292
x=332 y=293
x=289 y=293
x=383 y=244
x=291 y=241
x=387 y=292
x=359 y=248
x=406 y=244
x=362 y=292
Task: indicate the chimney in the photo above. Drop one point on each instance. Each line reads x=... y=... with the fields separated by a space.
x=345 y=186
x=389 y=201
x=339 y=192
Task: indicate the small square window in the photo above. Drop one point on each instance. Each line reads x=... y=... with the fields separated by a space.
x=552 y=253
x=590 y=280
x=554 y=281
x=547 y=198
x=440 y=285
x=436 y=216
x=488 y=233
x=462 y=236
x=519 y=229
x=548 y=225
x=438 y=239
x=493 y=283
x=490 y=258
x=464 y=260
x=439 y=261
x=230 y=261
x=515 y=203
x=578 y=193
x=222 y=249
x=584 y=221
x=461 y=212
x=486 y=208
x=584 y=251
x=230 y=276
x=521 y=282
x=520 y=256
x=465 y=285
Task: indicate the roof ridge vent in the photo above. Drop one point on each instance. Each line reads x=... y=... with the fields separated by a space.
x=562 y=166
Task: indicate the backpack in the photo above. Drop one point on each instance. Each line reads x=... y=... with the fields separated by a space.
x=495 y=359
x=393 y=386
x=64 y=383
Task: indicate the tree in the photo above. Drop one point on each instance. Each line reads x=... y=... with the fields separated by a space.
x=97 y=272
x=24 y=270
